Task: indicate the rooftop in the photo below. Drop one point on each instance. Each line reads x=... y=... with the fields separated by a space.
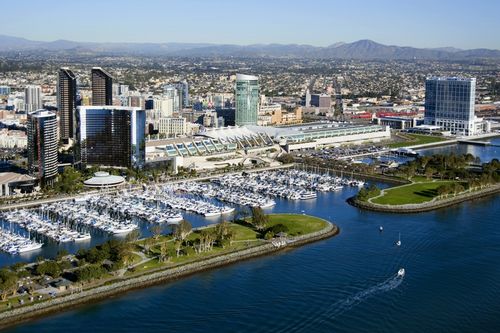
x=104 y=179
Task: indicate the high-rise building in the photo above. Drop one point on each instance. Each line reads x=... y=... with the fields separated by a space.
x=449 y=103
x=66 y=103
x=247 y=99
x=308 y=99
x=321 y=101
x=102 y=87
x=110 y=136
x=183 y=91
x=42 y=145
x=32 y=98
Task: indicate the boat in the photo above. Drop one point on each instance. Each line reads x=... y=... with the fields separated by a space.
x=381 y=228
x=401 y=272
x=212 y=213
x=227 y=210
x=308 y=196
x=31 y=246
x=268 y=204
x=174 y=219
x=398 y=243
x=82 y=237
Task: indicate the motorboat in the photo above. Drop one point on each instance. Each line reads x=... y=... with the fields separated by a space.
x=401 y=272
x=398 y=243
x=381 y=228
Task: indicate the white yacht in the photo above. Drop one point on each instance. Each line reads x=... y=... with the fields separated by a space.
x=401 y=272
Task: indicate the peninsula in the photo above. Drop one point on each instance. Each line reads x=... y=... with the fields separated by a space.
x=118 y=266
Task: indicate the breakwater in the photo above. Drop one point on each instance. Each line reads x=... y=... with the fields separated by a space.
x=110 y=288
x=425 y=206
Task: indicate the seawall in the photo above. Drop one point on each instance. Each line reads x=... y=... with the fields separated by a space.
x=426 y=206
x=29 y=312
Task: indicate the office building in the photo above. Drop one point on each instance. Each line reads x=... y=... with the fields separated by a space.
x=32 y=98
x=321 y=101
x=172 y=127
x=66 y=103
x=136 y=101
x=247 y=99
x=183 y=89
x=42 y=145
x=307 y=102
x=449 y=104
x=102 y=87
x=110 y=136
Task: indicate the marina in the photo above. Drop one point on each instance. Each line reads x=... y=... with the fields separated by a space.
x=36 y=222
x=15 y=244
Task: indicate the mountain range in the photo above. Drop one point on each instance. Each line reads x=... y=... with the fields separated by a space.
x=362 y=49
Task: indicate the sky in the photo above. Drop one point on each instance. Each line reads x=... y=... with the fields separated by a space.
x=418 y=23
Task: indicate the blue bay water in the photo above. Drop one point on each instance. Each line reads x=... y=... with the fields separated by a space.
x=343 y=284
x=452 y=283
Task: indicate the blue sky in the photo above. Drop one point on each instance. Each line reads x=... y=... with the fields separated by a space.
x=420 y=23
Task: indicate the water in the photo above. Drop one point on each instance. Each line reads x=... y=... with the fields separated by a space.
x=485 y=153
x=342 y=284
x=50 y=248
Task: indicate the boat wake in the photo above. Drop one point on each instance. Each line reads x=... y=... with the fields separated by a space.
x=340 y=307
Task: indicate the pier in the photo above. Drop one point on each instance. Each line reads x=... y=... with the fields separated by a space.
x=479 y=143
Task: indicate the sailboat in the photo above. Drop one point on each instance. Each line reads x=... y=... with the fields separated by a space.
x=398 y=243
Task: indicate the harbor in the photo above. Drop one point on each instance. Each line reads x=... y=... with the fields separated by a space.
x=110 y=214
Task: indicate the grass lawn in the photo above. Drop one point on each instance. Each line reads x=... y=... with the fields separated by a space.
x=418 y=139
x=297 y=224
x=410 y=194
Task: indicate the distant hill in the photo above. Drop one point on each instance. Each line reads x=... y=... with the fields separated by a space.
x=362 y=49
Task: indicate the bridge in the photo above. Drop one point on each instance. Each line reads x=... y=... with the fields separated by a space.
x=479 y=143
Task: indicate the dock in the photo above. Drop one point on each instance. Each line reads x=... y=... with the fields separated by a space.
x=479 y=143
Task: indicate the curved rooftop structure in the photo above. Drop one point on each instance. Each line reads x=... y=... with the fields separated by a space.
x=104 y=179
x=245 y=77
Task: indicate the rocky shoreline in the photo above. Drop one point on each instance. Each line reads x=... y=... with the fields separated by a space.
x=426 y=206
x=29 y=312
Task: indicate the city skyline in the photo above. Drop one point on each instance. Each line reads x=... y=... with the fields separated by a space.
x=322 y=23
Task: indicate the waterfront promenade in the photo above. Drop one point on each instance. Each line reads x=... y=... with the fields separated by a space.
x=155 y=276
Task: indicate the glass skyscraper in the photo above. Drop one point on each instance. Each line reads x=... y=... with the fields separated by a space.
x=449 y=103
x=42 y=145
x=110 y=136
x=102 y=87
x=247 y=99
x=66 y=103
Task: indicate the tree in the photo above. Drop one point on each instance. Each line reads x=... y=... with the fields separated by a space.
x=177 y=246
x=224 y=233
x=286 y=158
x=89 y=272
x=69 y=181
x=133 y=236
x=424 y=160
x=8 y=283
x=182 y=230
x=206 y=241
x=50 y=267
x=164 y=252
x=61 y=254
x=259 y=219
x=156 y=230
x=429 y=171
